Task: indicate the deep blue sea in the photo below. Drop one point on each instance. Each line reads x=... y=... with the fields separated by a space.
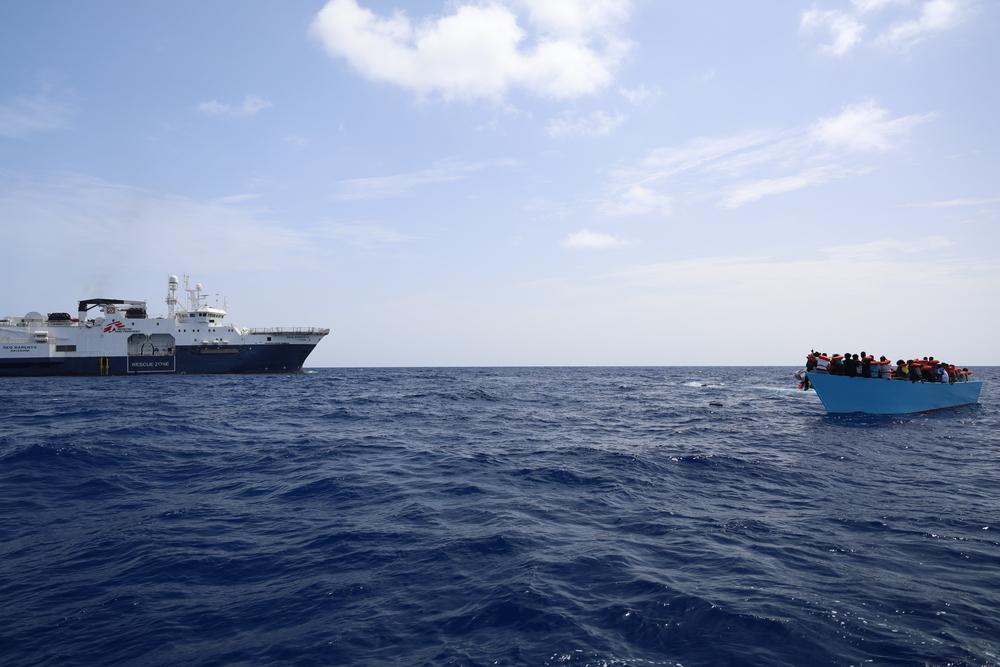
x=536 y=516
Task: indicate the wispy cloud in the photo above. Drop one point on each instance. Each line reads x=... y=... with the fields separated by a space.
x=23 y=115
x=395 y=185
x=365 y=235
x=108 y=222
x=844 y=30
x=637 y=199
x=250 y=106
x=739 y=169
x=242 y=198
x=865 y=126
x=588 y=240
x=935 y=16
x=111 y=223
x=480 y=50
x=594 y=124
x=908 y=23
x=889 y=248
x=751 y=191
x=744 y=287
x=958 y=203
x=639 y=94
x=868 y=6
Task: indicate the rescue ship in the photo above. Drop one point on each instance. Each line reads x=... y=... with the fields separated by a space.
x=116 y=337
x=841 y=394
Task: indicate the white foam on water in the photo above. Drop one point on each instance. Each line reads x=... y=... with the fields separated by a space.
x=784 y=390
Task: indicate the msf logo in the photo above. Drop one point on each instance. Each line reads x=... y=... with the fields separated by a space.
x=114 y=326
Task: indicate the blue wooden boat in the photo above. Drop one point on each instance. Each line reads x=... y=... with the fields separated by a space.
x=841 y=394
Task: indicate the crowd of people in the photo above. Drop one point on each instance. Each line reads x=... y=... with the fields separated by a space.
x=921 y=369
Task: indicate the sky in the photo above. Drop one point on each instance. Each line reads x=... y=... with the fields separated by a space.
x=516 y=182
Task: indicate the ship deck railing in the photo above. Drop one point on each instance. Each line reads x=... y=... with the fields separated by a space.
x=280 y=331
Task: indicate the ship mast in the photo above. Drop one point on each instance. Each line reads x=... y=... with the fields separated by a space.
x=194 y=293
x=171 y=295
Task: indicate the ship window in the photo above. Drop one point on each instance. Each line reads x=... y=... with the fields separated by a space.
x=65 y=348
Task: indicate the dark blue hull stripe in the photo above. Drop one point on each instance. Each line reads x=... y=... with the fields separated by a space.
x=278 y=358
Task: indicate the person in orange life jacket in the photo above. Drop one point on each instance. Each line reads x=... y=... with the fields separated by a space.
x=866 y=365
x=837 y=365
x=916 y=371
x=811 y=360
x=884 y=368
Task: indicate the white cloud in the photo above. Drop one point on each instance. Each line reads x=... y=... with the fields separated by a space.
x=595 y=124
x=251 y=105
x=588 y=240
x=395 y=185
x=865 y=126
x=739 y=169
x=935 y=16
x=844 y=30
x=576 y=18
x=636 y=199
x=29 y=114
x=482 y=50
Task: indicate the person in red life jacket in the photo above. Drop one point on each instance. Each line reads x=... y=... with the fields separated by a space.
x=967 y=374
x=884 y=368
x=822 y=362
x=916 y=370
x=952 y=373
x=811 y=360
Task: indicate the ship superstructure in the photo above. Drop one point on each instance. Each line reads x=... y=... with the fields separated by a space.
x=116 y=337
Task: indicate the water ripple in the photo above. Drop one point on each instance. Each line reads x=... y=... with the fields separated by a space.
x=640 y=516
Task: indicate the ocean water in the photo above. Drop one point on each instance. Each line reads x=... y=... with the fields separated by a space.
x=590 y=516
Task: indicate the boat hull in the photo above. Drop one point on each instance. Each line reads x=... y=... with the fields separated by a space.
x=842 y=395
x=276 y=358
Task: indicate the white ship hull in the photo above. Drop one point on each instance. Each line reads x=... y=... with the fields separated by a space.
x=124 y=341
